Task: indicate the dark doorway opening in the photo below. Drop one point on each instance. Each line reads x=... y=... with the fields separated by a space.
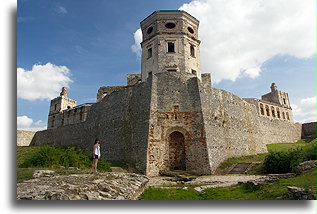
x=177 y=151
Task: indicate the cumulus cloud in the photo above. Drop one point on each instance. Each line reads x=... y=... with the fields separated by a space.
x=136 y=47
x=238 y=36
x=43 y=82
x=26 y=123
x=305 y=111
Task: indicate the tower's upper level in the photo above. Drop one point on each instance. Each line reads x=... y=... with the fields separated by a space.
x=169 y=22
x=170 y=43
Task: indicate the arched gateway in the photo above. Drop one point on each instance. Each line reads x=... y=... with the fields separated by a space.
x=177 y=155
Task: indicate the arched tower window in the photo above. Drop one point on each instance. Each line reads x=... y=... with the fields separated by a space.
x=278 y=113
x=261 y=109
x=283 y=115
x=267 y=110
x=273 y=111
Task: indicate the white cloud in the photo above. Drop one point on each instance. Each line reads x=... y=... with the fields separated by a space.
x=136 y=47
x=43 y=82
x=238 y=36
x=305 y=111
x=26 y=123
x=61 y=9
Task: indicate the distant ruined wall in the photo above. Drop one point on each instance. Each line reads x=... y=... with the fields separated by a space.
x=309 y=130
x=120 y=120
x=24 y=138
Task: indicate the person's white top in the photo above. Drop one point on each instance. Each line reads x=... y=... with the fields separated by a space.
x=97 y=151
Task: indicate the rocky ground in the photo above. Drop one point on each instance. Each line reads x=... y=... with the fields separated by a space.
x=46 y=185
x=103 y=186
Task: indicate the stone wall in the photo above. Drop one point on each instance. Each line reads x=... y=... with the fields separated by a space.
x=234 y=128
x=309 y=130
x=120 y=120
x=176 y=110
x=24 y=138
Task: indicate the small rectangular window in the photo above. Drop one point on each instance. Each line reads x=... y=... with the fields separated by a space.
x=192 y=50
x=170 y=47
x=194 y=72
x=149 y=53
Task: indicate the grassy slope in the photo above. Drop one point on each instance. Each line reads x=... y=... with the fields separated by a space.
x=26 y=152
x=237 y=192
x=260 y=157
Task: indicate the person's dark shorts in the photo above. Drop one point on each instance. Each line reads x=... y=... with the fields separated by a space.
x=95 y=157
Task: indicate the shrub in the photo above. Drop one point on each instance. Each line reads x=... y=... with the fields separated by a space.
x=286 y=161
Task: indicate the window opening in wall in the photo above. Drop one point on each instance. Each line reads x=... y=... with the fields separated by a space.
x=283 y=115
x=273 y=111
x=150 y=73
x=149 y=30
x=287 y=115
x=278 y=113
x=194 y=72
x=267 y=110
x=284 y=101
x=170 y=47
x=55 y=107
x=170 y=25
x=262 y=109
x=171 y=70
x=53 y=121
x=68 y=107
x=149 y=53
x=192 y=50
x=190 y=29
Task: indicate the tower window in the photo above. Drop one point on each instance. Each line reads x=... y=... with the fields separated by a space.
x=170 y=47
x=190 y=30
x=284 y=100
x=55 y=107
x=283 y=115
x=273 y=111
x=194 y=72
x=149 y=30
x=170 y=25
x=149 y=53
x=192 y=50
x=262 y=109
x=267 y=110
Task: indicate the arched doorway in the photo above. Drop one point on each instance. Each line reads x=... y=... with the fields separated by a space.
x=177 y=151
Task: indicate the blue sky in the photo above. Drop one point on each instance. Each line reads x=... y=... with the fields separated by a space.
x=93 y=39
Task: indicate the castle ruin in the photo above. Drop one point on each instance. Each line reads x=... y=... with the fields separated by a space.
x=170 y=117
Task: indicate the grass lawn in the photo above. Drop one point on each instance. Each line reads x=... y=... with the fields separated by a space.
x=259 y=158
x=70 y=156
x=237 y=192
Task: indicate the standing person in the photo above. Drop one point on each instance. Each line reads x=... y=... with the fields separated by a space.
x=95 y=155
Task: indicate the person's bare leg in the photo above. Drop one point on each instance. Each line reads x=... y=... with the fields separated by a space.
x=96 y=163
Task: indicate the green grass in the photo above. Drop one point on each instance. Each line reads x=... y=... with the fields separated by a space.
x=237 y=192
x=59 y=159
x=243 y=159
x=259 y=158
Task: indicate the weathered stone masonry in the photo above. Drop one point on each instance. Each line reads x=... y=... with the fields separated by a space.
x=169 y=117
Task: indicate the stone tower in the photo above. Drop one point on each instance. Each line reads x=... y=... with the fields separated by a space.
x=170 y=43
x=277 y=96
x=57 y=105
